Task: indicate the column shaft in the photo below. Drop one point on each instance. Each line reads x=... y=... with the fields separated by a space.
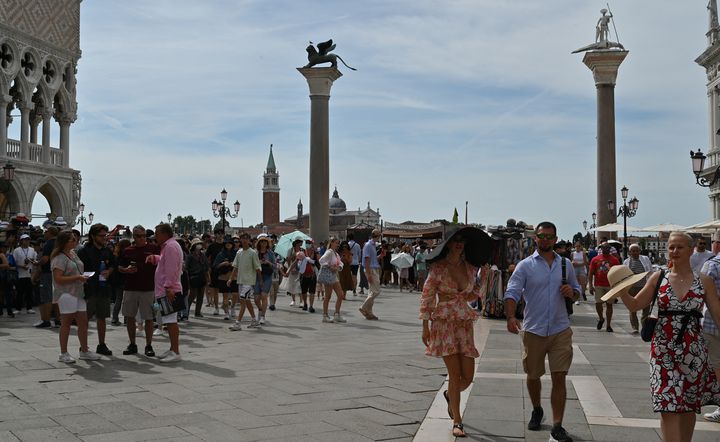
x=65 y=142
x=4 y=101
x=24 y=132
x=46 y=127
x=319 y=168
x=605 y=153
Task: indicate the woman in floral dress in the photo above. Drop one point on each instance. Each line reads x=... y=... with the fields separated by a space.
x=681 y=380
x=448 y=288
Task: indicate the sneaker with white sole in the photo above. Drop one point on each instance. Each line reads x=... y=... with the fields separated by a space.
x=165 y=354
x=236 y=326
x=171 y=357
x=30 y=311
x=262 y=320
x=327 y=319
x=713 y=417
x=89 y=356
x=292 y=303
x=66 y=358
x=216 y=312
x=254 y=324
x=577 y=302
x=337 y=317
x=158 y=332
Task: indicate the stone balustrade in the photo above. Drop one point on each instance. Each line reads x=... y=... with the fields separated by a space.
x=35 y=153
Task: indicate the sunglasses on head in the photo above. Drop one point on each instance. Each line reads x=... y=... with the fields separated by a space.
x=545 y=236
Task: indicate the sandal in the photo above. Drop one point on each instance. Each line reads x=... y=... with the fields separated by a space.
x=447 y=399
x=460 y=433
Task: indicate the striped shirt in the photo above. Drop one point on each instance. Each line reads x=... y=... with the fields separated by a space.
x=711 y=268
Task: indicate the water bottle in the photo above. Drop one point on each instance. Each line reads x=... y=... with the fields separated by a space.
x=102 y=279
x=156 y=306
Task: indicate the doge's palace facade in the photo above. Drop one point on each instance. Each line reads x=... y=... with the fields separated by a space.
x=39 y=52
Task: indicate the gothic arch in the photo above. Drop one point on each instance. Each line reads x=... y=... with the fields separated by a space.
x=52 y=190
x=11 y=201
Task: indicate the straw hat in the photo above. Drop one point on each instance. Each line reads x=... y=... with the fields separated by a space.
x=621 y=278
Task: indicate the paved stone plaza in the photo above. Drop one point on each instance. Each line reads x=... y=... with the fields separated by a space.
x=300 y=380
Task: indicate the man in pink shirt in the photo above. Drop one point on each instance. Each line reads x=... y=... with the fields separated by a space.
x=167 y=283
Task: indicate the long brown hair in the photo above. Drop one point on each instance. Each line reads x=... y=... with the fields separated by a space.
x=60 y=242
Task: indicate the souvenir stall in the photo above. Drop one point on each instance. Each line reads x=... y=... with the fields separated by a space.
x=512 y=244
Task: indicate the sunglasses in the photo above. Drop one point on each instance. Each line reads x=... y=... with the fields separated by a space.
x=545 y=236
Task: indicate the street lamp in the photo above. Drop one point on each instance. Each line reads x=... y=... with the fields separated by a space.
x=169 y=217
x=698 y=165
x=220 y=211
x=83 y=220
x=627 y=210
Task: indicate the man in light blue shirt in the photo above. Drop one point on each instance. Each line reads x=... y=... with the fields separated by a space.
x=372 y=270
x=538 y=279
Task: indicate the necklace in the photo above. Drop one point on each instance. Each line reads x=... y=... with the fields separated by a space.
x=458 y=262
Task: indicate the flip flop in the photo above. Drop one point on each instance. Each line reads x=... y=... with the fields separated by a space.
x=447 y=399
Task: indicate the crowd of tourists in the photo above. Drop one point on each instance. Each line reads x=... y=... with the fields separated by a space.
x=149 y=280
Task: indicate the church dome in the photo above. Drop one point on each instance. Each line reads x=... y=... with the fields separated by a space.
x=337 y=205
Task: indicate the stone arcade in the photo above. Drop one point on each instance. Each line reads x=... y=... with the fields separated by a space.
x=39 y=52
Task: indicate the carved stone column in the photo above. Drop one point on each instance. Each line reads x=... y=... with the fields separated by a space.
x=5 y=100
x=320 y=80
x=604 y=65
x=46 y=126
x=25 y=109
x=64 y=121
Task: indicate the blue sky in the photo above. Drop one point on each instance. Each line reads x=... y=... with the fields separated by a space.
x=467 y=100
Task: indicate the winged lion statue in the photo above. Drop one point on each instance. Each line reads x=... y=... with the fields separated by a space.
x=323 y=55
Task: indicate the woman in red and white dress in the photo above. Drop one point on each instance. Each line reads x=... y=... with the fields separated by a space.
x=681 y=381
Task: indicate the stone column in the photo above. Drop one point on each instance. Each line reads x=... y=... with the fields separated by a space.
x=604 y=65
x=35 y=120
x=4 y=102
x=65 y=140
x=320 y=80
x=24 y=129
x=46 y=126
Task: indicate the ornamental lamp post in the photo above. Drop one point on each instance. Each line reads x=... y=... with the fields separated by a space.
x=83 y=220
x=627 y=210
x=220 y=211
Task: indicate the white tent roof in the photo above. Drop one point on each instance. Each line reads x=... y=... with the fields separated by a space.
x=613 y=227
x=663 y=227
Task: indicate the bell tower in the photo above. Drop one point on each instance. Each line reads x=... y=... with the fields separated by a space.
x=299 y=214
x=271 y=192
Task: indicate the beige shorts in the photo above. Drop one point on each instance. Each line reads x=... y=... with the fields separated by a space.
x=557 y=347
x=599 y=293
x=134 y=302
x=713 y=346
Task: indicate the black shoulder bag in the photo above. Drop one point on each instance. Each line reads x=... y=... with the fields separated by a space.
x=648 y=325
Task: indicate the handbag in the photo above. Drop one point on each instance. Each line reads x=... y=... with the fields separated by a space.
x=167 y=307
x=648 y=326
x=284 y=285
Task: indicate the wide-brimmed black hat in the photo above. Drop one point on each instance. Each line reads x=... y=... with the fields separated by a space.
x=478 y=246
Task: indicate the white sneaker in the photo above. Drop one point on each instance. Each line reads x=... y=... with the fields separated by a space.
x=158 y=332
x=171 y=357
x=30 y=311
x=577 y=302
x=16 y=311
x=292 y=303
x=337 y=317
x=262 y=320
x=236 y=326
x=66 y=358
x=89 y=356
x=327 y=319
x=254 y=324
x=713 y=417
x=165 y=354
x=216 y=312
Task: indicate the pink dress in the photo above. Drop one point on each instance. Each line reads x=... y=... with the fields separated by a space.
x=451 y=331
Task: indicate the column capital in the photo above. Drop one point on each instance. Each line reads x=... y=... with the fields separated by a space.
x=65 y=119
x=604 y=65
x=320 y=80
x=25 y=106
x=46 y=112
x=5 y=99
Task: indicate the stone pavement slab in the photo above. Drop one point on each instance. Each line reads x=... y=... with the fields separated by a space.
x=295 y=379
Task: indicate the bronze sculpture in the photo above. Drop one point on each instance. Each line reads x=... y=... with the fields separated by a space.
x=322 y=55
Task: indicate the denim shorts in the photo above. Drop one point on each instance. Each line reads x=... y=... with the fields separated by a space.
x=263 y=284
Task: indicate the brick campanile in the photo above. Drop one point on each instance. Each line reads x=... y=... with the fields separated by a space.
x=271 y=192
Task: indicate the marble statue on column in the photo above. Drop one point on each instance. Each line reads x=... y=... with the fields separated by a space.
x=602 y=35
